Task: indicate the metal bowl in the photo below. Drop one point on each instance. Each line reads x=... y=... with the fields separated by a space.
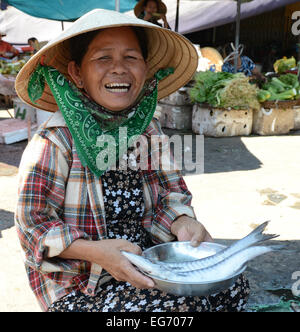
x=183 y=251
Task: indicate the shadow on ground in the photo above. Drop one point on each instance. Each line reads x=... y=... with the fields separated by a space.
x=228 y=154
x=224 y=154
x=6 y=220
x=273 y=275
x=11 y=154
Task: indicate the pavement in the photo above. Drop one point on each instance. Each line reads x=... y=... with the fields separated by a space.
x=246 y=181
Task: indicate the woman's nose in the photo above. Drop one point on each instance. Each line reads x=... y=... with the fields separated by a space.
x=119 y=67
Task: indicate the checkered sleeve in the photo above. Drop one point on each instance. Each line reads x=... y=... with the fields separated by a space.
x=43 y=234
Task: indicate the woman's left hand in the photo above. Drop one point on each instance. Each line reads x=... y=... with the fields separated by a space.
x=189 y=229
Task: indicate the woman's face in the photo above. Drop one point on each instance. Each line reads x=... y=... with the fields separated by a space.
x=113 y=70
x=151 y=7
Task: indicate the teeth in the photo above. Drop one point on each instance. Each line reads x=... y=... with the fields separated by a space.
x=118 y=85
x=119 y=90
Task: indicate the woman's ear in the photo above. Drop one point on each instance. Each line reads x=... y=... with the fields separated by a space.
x=74 y=72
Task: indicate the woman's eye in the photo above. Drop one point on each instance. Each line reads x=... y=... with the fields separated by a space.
x=131 y=57
x=104 y=57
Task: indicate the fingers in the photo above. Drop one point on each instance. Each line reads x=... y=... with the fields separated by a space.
x=198 y=238
x=129 y=246
x=189 y=229
x=139 y=280
x=127 y=272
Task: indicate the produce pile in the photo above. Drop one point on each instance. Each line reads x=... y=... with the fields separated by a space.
x=284 y=87
x=284 y=64
x=11 y=68
x=224 y=90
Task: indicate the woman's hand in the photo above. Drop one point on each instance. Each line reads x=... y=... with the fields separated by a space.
x=112 y=260
x=107 y=254
x=189 y=229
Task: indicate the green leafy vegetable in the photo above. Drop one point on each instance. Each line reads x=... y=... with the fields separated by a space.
x=263 y=95
x=284 y=64
x=224 y=90
x=285 y=87
x=291 y=80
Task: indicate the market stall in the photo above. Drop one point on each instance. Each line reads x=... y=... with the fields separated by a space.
x=222 y=104
x=280 y=100
x=22 y=121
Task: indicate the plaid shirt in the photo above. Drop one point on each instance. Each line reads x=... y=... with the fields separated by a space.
x=60 y=201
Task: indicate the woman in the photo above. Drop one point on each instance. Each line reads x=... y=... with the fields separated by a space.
x=76 y=210
x=34 y=43
x=7 y=51
x=152 y=11
x=244 y=64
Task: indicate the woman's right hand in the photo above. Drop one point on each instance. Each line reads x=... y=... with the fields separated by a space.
x=107 y=254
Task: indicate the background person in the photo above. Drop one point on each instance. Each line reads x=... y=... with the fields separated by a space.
x=7 y=51
x=244 y=64
x=33 y=42
x=152 y=11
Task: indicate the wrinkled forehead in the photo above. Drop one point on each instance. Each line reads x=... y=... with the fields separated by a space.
x=115 y=38
x=123 y=31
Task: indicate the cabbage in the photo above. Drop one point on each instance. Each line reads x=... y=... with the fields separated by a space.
x=224 y=90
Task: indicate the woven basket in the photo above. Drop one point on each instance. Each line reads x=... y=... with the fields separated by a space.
x=222 y=108
x=281 y=104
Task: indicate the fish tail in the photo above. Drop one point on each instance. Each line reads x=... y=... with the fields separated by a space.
x=265 y=237
x=241 y=258
x=257 y=234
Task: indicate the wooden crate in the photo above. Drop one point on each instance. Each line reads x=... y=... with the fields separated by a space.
x=297 y=118
x=175 y=111
x=273 y=121
x=215 y=122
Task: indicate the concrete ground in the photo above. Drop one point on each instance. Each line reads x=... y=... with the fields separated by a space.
x=247 y=180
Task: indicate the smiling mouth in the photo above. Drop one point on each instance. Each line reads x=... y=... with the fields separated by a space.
x=118 y=87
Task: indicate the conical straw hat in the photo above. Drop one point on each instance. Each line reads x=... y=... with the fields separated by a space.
x=165 y=49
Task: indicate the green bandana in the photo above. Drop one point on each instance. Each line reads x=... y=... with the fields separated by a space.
x=100 y=136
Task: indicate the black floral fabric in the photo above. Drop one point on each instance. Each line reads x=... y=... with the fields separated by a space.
x=124 y=207
x=117 y=296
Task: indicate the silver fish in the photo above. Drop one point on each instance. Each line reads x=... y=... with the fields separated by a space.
x=254 y=237
x=145 y=265
x=225 y=268
x=219 y=271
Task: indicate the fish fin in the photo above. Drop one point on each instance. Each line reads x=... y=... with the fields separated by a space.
x=260 y=228
x=265 y=237
x=258 y=236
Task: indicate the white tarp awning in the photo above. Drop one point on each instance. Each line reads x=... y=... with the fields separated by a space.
x=20 y=26
x=200 y=15
x=193 y=16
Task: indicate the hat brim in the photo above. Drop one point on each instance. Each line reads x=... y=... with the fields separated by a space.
x=166 y=49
